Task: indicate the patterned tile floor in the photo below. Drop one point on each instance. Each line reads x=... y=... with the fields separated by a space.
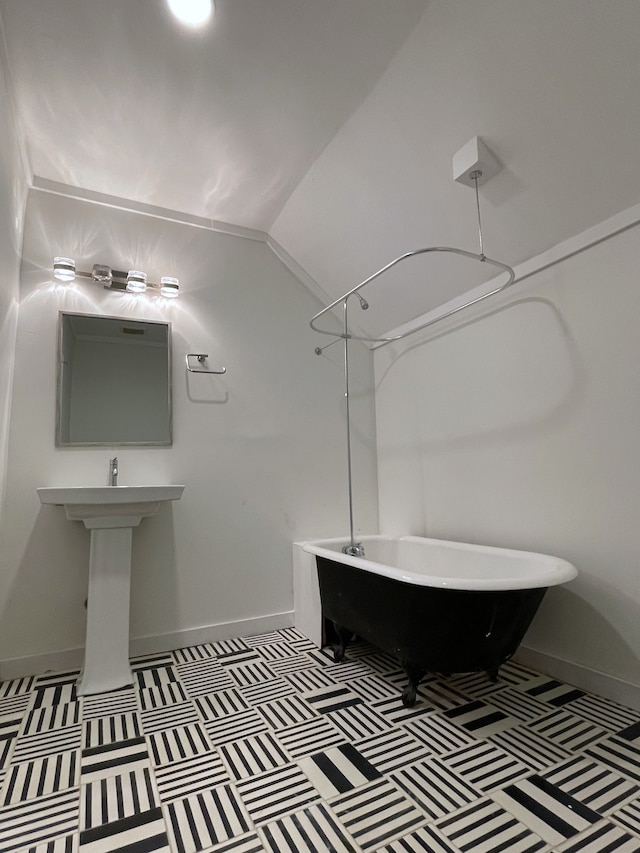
x=265 y=745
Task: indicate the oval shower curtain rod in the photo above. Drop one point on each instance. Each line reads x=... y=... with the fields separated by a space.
x=473 y=255
x=481 y=257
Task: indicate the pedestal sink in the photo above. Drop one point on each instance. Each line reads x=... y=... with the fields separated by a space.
x=110 y=512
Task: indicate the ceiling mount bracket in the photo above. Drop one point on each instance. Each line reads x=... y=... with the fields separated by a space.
x=475 y=163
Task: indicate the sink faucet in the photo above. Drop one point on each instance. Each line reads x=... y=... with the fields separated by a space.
x=113 y=471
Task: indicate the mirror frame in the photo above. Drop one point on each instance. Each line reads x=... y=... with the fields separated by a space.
x=58 y=436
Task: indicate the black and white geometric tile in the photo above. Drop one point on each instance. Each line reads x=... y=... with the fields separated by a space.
x=358 y=721
x=284 y=712
x=235 y=727
x=169 y=716
x=203 y=676
x=207 y=818
x=629 y=816
x=49 y=717
x=546 y=809
x=31 y=747
x=438 y=734
x=38 y=778
x=311 y=830
x=265 y=745
x=534 y=750
x=392 y=749
x=603 y=837
x=569 y=731
x=480 y=718
x=605 y=713
x=276 y=793
x=377 y=813
x=55 y=689
x=112 y=759
x=113 y=798
x=549 y=690
x=170 y=693
x=267 y=691
x=184 y=778
x=485 y=826
x=434 y=788
x=333 y=698
x=40 y=821
x=484 y=766
x=309 y=737
x=338 y=770
x=122 y=701
x=425 y=840
x=252 y=756
x=177 y=744
x=593 y=784
x=9 y=729
x=619 y=754
x=142 y=831
x=99 y=731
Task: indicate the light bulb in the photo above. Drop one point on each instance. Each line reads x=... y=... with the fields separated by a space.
x=169 y=286
x=64 y=269
x=136 y=281
x=102 y=273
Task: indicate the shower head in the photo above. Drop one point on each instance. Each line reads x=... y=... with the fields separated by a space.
x=363 y=302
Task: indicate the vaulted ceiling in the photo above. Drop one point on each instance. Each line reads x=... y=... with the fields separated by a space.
x=332 y=124
x=223 y=122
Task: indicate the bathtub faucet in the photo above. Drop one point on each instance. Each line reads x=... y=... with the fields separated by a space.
x=355 y=550
x=113 y=471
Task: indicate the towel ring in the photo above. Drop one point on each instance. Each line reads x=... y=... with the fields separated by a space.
x=201 y=356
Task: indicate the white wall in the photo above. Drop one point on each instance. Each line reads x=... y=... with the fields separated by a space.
x=518 y=426
x=12 y=199
x=261 y=450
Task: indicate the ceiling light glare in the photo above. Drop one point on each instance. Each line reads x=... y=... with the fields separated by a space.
x=193 y=13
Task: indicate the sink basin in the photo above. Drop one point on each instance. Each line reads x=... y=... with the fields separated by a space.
x=109 y=506
x=110 y=513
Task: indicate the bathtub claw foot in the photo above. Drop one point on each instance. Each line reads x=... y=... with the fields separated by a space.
x=344 y=636
x=409 y=695
x=415 y=674
x=492 y=674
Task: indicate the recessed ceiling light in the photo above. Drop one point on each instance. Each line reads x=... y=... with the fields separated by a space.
x=194 y=13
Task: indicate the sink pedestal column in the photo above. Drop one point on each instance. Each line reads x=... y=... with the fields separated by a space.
x=106 y=660
x=110 y=513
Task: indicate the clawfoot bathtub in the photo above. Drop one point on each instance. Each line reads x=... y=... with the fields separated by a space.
x=438 y=606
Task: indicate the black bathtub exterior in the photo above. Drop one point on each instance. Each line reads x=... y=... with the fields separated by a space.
x=429 y=629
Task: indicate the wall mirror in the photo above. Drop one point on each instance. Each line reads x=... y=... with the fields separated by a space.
x=114 y=381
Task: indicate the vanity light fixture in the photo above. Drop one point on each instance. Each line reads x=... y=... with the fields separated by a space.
x=133 y=281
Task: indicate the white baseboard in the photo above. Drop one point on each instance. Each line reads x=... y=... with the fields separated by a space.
x=590 y=680
x=73 y=658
